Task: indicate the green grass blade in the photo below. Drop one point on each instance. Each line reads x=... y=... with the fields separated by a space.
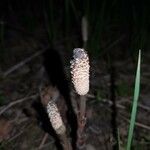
x=135 y=101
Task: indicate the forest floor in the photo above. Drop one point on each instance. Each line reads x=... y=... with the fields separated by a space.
x=19 y=88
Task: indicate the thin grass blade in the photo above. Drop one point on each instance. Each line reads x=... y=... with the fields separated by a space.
x=135 y=101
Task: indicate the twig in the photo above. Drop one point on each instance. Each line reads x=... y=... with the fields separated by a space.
x=123 y=107
x=43 y=140
x=18 y=101
x=20 y=64
x=22 y=130
x=118 y=104
x=137 y=123
x=109 y=102
x=139 y=105
x=17 y=135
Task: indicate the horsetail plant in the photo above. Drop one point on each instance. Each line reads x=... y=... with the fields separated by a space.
x=58 y=125
x=80 y=79
x=80 y=71
x=55 y=118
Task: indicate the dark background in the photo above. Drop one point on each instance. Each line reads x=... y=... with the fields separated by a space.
x=117 y=29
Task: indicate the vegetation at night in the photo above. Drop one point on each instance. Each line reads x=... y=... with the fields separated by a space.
x=67 y=75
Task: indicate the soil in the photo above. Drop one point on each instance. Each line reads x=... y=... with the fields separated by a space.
x=20 y=126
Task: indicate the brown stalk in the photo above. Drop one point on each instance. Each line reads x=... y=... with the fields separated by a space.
x=81 y=137
x=65 y=142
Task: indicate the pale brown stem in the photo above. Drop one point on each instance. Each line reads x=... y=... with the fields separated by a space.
x=81 y=123
x=65 y=142
x=82 y=106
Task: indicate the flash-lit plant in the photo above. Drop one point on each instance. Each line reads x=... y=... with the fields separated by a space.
x=57 y=124
x=80 y=79
x=55 y=118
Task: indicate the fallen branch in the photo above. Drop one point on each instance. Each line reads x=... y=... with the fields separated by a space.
x=22 y=63
x=43 y=140
x=18 y=101
x=118 y=104
x=139 y=105
x=138 y=124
